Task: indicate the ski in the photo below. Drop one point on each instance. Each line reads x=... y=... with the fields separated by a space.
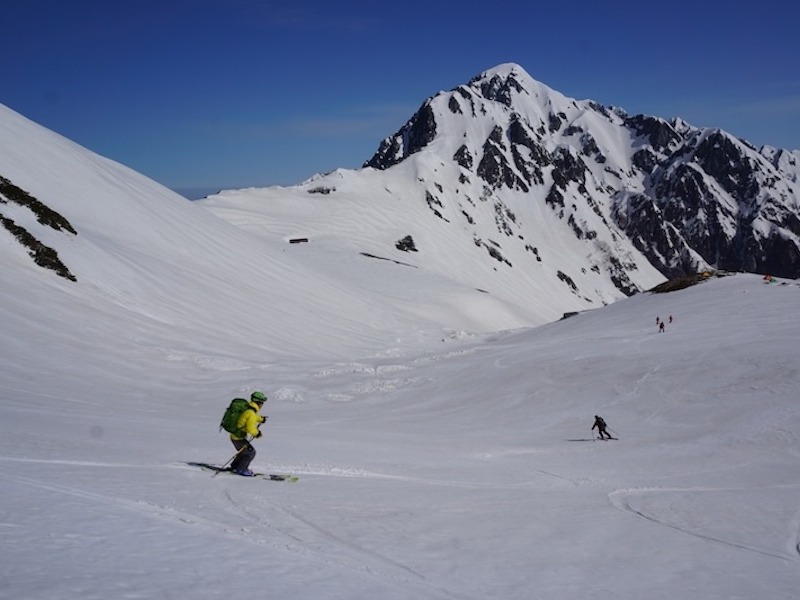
x=282 y=477
x=605 y=439
x=269 y=476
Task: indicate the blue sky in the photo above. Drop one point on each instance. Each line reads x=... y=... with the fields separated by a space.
x=208 y=94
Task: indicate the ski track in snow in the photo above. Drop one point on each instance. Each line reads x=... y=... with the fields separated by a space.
x=621 y=500
x=312 y=537
x=76 y=463
x=139 y=506
x=301 y=535
x=358 y=473
x=794 y=543
x=301 y=470
x=311 y=540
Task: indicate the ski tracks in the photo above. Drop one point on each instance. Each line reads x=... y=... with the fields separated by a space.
x=143 y=507
x=241 y=514
x=304 y=536
x=680 y=520
x=795 y=545
x=318 y=539
x=246 y=525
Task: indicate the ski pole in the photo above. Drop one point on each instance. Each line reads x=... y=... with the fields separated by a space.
x=231 y=459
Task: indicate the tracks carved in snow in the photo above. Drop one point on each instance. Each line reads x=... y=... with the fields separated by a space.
x=663 y=507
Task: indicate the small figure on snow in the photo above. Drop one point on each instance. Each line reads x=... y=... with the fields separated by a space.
x=661 y=327
x=247 y=424
x=670 y=318
x=601 y=427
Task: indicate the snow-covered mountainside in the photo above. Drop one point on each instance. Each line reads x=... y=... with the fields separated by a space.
x=686 y=197
x=475 y=190
x=543 y=201
x=501 y=203
x=434 y=462
x=92 y=233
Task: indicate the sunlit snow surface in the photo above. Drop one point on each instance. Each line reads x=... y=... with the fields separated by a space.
x=464 y=468
x=436 y=459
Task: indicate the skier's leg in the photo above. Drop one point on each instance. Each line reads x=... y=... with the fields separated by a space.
x=246 y=455
x=249 y=455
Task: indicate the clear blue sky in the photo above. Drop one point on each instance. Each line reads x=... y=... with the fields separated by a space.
x=209 y=94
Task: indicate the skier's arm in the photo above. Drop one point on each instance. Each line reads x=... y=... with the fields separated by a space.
x=252 y=421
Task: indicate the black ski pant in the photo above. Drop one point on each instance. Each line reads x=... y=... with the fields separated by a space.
x=246 y=455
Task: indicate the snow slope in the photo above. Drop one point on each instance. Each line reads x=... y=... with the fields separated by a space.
x=438 y=456
x=462 y=469
x=144 y=258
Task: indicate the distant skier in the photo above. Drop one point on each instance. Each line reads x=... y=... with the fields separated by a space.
x=601 y=427
x=661 y=327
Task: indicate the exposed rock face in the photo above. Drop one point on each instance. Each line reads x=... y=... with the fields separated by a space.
x=413 y=137
x=43 y=255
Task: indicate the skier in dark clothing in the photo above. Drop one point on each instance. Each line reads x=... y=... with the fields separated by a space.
x=601 y=427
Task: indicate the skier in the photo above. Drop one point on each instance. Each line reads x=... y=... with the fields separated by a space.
x=661 y=327
x=248 y=424
x=601 y=427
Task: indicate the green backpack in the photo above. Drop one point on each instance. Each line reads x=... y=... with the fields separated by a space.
x=230 y=419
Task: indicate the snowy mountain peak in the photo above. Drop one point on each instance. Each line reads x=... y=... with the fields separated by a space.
x=687 y=198
x=501 y=202
x=502 y=83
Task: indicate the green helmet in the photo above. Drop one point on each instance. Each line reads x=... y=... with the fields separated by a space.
x=258 y=397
